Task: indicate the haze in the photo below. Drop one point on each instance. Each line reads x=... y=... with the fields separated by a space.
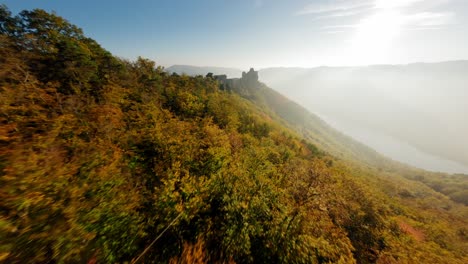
x=414 y=113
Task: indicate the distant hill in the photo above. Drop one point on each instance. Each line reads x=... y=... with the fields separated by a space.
x=195 y=70
x=422 y=104
x=412 y=113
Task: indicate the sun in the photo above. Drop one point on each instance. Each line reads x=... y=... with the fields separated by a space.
x=374 y=35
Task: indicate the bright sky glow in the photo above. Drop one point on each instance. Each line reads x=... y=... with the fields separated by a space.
x=267 y=33
x=394 y=3
x=374 y=35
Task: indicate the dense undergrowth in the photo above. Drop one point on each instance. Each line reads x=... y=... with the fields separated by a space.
x=99 y=155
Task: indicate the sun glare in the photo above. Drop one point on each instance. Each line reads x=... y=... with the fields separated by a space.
x=394 y=3
x=374 y=35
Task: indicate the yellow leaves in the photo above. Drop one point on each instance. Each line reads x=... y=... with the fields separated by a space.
x=106 y=114
x=115 y=94
x=107 y=120
x=189 y=104
x=235 y=141
x=12 y=67
x=35 y=198
x=192 y=254
x=186 y=192
x=4 y=255
x=7 y=132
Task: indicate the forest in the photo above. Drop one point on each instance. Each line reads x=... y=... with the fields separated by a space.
x=105 y=160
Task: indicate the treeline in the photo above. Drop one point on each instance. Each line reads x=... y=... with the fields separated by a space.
x=100 y=155
x=454 y=186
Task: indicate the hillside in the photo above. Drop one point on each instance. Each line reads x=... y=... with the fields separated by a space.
x=110 y=161
x=427 y=99
x=372 y=103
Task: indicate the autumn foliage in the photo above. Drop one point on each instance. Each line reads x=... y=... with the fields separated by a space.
x=98 y=155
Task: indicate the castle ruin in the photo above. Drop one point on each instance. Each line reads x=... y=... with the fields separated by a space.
x=248 y=80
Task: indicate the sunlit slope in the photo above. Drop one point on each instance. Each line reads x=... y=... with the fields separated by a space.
x=319 y=132
x=343 y=147
x=421 y=104
x=301 y=120
x=348 y=150
x=420 y=193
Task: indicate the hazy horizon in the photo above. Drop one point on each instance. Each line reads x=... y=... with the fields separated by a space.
x=410 y=113
x=241 y=69
x=422 y=106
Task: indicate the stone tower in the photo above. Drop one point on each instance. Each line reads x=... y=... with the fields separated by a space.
x=250 y=79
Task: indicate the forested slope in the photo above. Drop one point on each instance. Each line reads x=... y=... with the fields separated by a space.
x=100 y=155
x=427 y=99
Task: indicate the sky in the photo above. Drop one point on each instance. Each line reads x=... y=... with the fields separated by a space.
x=270 y=33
